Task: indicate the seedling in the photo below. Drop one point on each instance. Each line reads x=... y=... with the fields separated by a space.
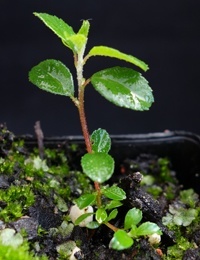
x=122 y=86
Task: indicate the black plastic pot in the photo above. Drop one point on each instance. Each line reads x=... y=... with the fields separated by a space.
x=182 y=148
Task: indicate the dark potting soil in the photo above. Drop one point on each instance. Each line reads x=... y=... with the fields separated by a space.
x=36 y=195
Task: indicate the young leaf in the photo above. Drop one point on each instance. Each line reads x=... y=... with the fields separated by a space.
x=101 y=141
x=113 y=204
x=98 y=167
x=53 y=76
x=93 y=225
x=82 y=217
x=85 y=200
x=76 y=42
x=57 y=25
x=148 y=228
x=115 y=193
x=124 y=87
x=133 y=217
x=84 y=28
x=101 y=215
x=121 y=240
x=113 y=53
x=112 y=215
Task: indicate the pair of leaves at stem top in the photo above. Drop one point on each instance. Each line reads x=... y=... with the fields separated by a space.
x=122 y=86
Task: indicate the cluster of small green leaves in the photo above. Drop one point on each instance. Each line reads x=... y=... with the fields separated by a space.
x=105 y=212
x=124 y=238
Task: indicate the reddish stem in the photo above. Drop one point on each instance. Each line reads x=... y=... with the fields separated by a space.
x=83 y=120
x=85 y=131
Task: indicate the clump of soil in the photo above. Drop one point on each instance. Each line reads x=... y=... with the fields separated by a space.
x=37 y=192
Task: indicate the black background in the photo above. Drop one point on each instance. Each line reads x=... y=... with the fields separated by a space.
x=165 y=34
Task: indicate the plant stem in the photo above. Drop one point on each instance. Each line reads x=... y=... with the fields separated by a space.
x=83 y=120
x=79 y=63
x=111 y=226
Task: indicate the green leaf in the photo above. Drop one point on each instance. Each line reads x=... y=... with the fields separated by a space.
x=98 y=167
x=133 y=217
x=121 y=240
x=85 y=200
x=101 y=215
x=53 y=76
x=57 y=25
x=76 y=42
x=93 y=225
x=113 y=53
x=112 y=215
x=148 y=228
x=124 y=87
x=81 y=218
x=115 y=193
x=84 y=28
x=101 y=141
x=113 y=204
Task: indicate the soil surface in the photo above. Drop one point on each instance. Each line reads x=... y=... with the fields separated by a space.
x=37 y=191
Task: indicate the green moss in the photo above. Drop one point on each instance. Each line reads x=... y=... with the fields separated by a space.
x=19 y=253
x=17 y=199
x=177 y=251
x=189 y=197
x=154 y=190
x=165 y=171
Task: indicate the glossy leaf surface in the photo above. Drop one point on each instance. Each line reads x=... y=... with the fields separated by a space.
x=115 y=193
x=124 y=87
x=101 y=141
x=112 y=214
x=101 y=215
x=113 y=53
x=98 y=167
x=57 y=25
x=148 y=228
x=113 y=204
x=133 y=217
x=121 y=240
x=93 y=225
x=81 y=218
x=85 y=200
x=53 y=76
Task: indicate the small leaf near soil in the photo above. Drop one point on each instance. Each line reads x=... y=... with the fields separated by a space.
x=133 y=217
x=124 y=87
x=101 y=141
x=121 y=240
x=148 y=228
x=98 y=167
x=85 y=200
x=101 y=215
